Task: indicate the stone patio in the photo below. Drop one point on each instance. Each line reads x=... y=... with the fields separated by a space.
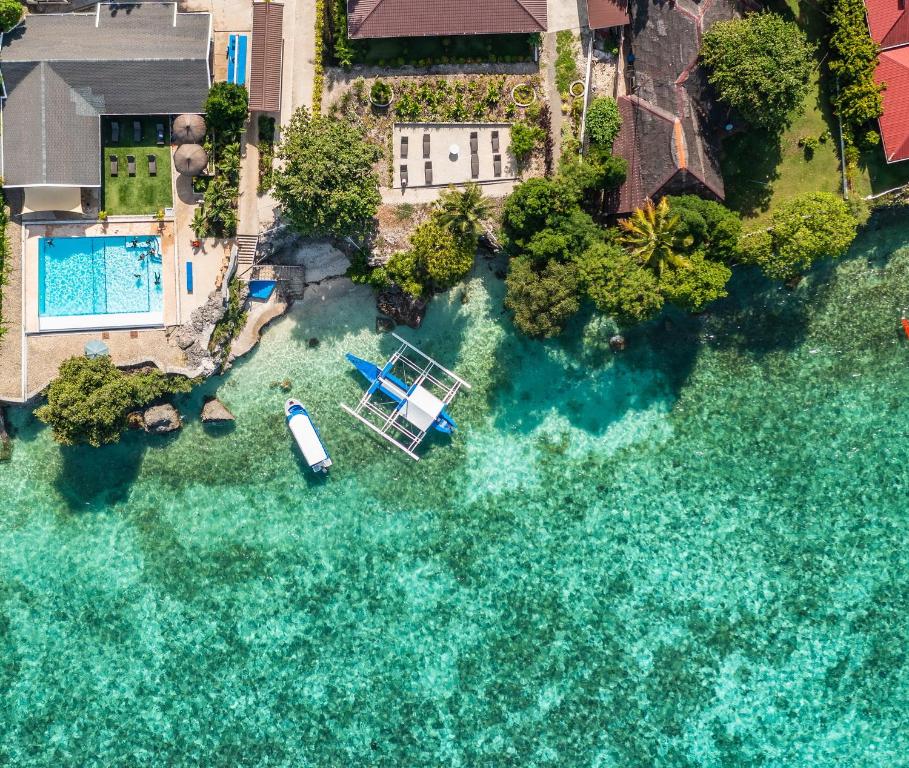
x=448 y=154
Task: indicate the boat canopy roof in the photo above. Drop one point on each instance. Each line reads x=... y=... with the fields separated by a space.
x=421 y=408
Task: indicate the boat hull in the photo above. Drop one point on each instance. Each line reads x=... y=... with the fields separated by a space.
x=307 y=436
x=391 y=386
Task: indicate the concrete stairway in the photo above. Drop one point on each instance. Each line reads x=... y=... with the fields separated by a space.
x=246 y=254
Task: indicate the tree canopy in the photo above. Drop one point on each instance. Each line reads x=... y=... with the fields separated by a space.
x=89 y=400
x=542 y=301
x=10 y=13
x=618 y=284
x=760 y=65
x=226 y=107
x=803 y=230
x=652 y=234
x=326 y=183
x=707 y=226
x=693 y=285
x=462 y=211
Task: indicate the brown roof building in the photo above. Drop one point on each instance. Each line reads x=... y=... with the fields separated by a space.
x=668 y=135
x=602 y=14
x=265 y=57
x=430 y=18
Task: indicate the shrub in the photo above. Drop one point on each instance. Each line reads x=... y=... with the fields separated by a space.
x=344 y=49
x=565 y=65
x=760 y=65
x=809 y=145
x=524 y=139
x=603 y=121
x=380 y=93
x=89 y=400
x=10 y=14
x=853 y=59
x=226 y=108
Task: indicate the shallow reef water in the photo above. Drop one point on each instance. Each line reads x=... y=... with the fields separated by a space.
x=692 y=553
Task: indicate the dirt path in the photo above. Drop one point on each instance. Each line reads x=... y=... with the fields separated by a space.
x=11 y=341
x=552 y=95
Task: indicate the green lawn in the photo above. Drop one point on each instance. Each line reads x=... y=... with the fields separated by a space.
x=139 y=194
x=761 y=171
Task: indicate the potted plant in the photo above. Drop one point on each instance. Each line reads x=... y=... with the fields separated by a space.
x=523 y=94
x=102 y=217
x=381 y=94
x=577 y=89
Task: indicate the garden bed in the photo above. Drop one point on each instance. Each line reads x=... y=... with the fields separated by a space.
x=448 y=99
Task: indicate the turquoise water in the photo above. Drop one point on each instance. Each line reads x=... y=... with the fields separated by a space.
x=691 y=554
x=98 y=275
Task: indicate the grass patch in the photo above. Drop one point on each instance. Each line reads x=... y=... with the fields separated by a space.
x=566 y=67
x=139 y=194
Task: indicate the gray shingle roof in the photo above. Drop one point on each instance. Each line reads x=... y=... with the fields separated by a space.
x=62 y=72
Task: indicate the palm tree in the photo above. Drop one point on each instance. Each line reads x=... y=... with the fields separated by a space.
x=651 y=234
x=463 y=211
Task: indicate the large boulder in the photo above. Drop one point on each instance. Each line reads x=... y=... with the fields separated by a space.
x=401 y=307
x=161 y=418
x=215 y=411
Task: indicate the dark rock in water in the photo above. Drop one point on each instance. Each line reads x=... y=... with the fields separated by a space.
x=501 y=274
x=617 y=343
x=286 y=385
x=6 y=445
x=161 y=418
x=215 y=411
x=134 y=420
x=313 y=343
x=384 y=324
x=401 y=308
x=793 y=282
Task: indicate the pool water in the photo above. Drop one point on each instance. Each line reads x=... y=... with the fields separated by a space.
x=99 y=275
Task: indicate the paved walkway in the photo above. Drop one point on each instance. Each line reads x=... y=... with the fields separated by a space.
x=299 y=56
x=552 y=96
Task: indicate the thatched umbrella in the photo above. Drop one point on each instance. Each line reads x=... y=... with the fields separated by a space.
x=190 y=159
x=188 y=129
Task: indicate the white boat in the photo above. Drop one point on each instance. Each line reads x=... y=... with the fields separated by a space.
x=307 y=436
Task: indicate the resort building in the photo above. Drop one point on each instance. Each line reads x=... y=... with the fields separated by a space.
x=63 y=72
x=889 y=25
x=669 y=120
x=429 y=18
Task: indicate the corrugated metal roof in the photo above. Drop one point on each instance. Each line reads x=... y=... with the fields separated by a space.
x=427 y=18
x=602 y=14
x=265 y=57
x=62 y=72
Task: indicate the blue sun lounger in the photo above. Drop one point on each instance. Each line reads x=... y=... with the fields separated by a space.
x=189 y=277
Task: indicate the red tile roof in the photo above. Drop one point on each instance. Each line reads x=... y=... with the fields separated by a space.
x=426 y=18
x=265 y=57
x=893 y=71
x=602 y=14
x=888 y=22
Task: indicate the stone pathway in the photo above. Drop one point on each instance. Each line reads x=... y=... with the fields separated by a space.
x=552 y=95
x=299 y=56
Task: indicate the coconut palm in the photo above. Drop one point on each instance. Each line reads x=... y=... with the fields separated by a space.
x=462 y=211
x=651 y=233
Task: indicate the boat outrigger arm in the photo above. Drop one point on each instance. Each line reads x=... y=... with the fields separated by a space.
x=406 y=397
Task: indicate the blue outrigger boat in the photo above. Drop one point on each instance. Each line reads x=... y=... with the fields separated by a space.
x=307 y=436
x=384 y=381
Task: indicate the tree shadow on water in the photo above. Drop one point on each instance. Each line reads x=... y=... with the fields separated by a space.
x=92 y=479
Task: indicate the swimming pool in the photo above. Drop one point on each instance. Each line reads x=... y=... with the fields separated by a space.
x=99 y=282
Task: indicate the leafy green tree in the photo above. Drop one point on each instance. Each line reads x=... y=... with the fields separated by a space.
x=327 y=183
x=853 y=60
x=542 y=302
x=618 y=285
x=404 y=270
x=652 y=234
x=760 y=65
x=567 y=238
x=603 y=121
x=694 y=285
x=226 y=107
x=10 y=14
x=444 y=257
x=463 y=212
x=596 y=172
x=89 y=400
x=810 y=227
x=708 y=226
x=524 y=139
x=537 y=204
